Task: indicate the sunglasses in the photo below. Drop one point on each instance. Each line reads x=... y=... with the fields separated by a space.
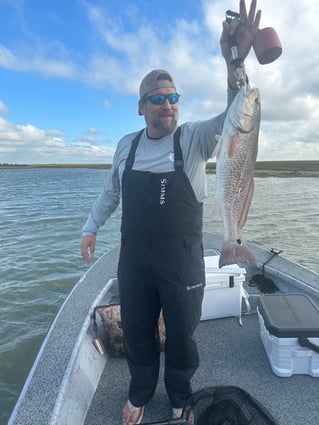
x=159 y=99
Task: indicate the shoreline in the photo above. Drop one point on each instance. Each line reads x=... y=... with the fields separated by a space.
x=262 y=168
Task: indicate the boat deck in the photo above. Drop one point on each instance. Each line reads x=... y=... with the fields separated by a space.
x=63 y=379
x=230 y=355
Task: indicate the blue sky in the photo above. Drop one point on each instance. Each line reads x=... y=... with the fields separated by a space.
x=70 y=71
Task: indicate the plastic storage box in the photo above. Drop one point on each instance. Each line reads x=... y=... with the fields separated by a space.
x=224 y=290
x=289 y=330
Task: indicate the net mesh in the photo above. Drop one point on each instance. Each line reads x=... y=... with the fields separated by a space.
x=227 y=405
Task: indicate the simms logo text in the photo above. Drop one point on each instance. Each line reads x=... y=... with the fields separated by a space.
x=163 y=191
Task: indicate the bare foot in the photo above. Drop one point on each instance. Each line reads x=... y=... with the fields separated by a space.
x=132 y=415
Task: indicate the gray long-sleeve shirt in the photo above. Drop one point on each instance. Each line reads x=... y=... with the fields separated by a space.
x=198 y=140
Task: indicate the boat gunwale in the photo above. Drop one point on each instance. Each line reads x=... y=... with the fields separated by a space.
x=22 y=412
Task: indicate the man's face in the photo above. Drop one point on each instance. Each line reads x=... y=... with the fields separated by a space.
x=160 y=119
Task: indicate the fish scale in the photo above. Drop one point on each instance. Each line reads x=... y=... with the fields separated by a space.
x=236 y=155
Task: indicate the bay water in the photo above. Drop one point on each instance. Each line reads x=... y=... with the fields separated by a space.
x=42 y=211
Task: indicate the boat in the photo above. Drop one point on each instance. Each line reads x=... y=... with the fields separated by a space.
x=72 y=382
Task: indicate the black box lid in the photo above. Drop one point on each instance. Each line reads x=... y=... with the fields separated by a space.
x=290 y=315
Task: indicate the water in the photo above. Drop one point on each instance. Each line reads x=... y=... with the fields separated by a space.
x=41 y=215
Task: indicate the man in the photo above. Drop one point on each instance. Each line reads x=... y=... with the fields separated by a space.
x=160 y=173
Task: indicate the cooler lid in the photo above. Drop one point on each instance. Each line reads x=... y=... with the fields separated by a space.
x=211 y=266
x=289 y=315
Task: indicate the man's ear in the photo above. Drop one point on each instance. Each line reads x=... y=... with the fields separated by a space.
x=140 y=107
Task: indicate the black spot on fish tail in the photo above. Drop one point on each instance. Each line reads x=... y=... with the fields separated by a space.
x=238 y=241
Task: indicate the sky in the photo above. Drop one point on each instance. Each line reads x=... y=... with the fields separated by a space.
x=70 y=73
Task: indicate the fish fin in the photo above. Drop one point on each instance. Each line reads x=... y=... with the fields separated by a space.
x=232 y=145
x=249 y=198
x=234 y=252
x=216 y=151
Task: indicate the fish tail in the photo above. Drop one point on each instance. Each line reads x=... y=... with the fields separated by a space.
x=234 y=252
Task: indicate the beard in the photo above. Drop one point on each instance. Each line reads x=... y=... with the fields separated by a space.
x=165 y=124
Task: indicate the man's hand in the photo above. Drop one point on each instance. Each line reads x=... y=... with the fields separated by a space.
x=244 y=29
x=88 y=247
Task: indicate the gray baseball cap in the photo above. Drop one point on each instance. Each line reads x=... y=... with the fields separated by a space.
x=156 y=79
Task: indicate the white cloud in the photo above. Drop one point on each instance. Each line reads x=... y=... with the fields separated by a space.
x=3 y=108
x=107 y=104
x=39 y=63
x=29 y=144
x=190 y=50
x=276 y=150
x=9 y=60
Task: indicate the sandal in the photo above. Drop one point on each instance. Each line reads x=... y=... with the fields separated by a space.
x=177 y=413
x=132 y=415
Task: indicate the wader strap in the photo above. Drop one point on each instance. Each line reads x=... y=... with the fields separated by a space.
x=178 y=162
x=178 y=155
x=131 y=156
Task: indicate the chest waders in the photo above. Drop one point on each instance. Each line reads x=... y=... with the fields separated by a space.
x=160 y=267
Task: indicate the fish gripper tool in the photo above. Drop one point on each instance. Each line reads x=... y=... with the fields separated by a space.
x=236 y=60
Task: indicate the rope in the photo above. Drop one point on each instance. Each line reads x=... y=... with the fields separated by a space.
x=264 y=284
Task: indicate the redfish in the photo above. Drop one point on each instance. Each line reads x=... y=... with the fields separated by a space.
x=236 y=155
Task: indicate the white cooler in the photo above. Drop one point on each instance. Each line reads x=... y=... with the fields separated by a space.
x=224 y=290
x=289 y=330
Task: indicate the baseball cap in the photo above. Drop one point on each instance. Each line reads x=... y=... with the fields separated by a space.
x=156 y=79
